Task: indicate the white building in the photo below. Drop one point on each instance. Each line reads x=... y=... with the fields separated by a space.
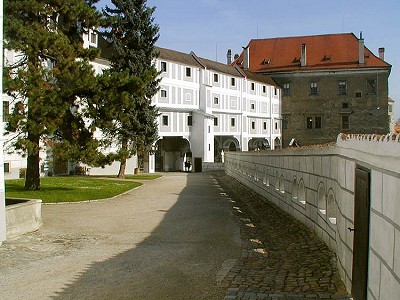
x=206 y=108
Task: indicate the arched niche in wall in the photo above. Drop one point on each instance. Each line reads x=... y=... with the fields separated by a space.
x=276 y=181
x=302 y=193
x=331 y=207
x=266 y=177
x=282 y=184
x=321 y=199
x=295 y=189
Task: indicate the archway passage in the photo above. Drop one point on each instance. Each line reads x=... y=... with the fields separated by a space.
x=224 y=143
x=258 y=144
x=171 y=154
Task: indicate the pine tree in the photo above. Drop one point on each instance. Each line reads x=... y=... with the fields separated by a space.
x=52 y=72
x=133 y=119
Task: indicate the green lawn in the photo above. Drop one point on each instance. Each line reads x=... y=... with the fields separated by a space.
x=69 y=189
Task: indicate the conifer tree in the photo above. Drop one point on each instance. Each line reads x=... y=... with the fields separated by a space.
x=52 y=70
x=132 y=33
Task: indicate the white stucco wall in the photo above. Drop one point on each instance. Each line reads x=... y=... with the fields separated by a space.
x=317 y=187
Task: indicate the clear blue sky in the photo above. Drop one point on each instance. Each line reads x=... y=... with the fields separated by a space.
x=210 y=27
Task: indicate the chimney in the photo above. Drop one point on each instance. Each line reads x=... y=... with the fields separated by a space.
x=381 y=52
x=229 y=56
x=361 y=50
x=303 y=58
x=246 y=58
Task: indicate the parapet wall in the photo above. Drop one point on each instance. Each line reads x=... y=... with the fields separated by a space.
x=317 y=186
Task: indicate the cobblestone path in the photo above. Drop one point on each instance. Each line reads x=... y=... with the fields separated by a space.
x=281 y=258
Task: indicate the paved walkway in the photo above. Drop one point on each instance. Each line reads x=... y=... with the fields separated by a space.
x=183 y=236
x=281 y=258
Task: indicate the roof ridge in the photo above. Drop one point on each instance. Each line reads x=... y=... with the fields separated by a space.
x=304 y=36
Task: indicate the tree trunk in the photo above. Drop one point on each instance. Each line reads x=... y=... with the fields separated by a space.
x=32 y=180
x=122 y=167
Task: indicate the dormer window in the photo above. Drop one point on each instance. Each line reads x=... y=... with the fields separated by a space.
x=326 y=58
x=266 y=61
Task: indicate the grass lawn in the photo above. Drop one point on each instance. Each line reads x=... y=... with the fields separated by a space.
x=69 y=189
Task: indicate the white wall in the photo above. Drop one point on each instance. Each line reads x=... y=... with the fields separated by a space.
x=317 y=187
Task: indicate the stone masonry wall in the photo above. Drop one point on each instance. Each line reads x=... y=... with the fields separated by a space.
x=317 y=187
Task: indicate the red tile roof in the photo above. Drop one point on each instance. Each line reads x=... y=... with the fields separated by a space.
x=331 y=51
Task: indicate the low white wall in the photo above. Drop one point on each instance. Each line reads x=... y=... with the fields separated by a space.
x=316 y=186
x=23 y=217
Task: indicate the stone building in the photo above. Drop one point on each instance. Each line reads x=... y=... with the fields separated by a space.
x=331 y=84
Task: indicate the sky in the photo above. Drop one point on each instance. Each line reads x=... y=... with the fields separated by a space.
x=211 y=27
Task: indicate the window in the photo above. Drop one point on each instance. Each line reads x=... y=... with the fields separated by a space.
x=6 y=167
x=390 y=108
x=358 y=94
x=233 y=82
x=165 y=120
x=188 y=72
x=275 y=91
x=253 y=125
x=314 y=122
x=345 y=122
x=233 y=121
x=163 y=66
x=6 y=110
x=216 y=77
x=286 y=89
x=265 y=125
x=93 y=38
x=276 y=125
x=264 y=89
x=318 y=122
x=189 y=121
x=345 y=105
x=309 y=122
x=285 y=122
x=252 y=106
x=216 y=100
x=215 y=121
x=342 y=88
x=313 y=88
x=253 y=86
x=163 y=93
x=371 y=87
